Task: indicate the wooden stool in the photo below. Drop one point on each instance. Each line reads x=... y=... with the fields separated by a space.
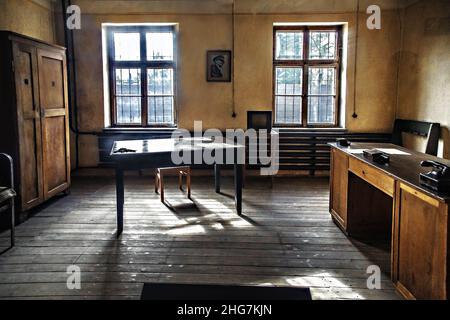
x=181 y=171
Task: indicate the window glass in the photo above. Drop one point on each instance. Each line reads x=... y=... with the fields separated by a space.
x=159 y=46
x=322 y=45
x=289 y=45
x=160 y=96
x=288 y=99
x=321 y=100
x=127 y=46
x=128 y=96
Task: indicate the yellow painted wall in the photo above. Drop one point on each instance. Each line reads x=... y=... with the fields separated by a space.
x=206 y=27
x=424 y=80
x=376 y=66
x=33 y=18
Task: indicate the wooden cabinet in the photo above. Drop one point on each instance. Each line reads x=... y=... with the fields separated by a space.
x=339 y=187
x=34 y=117
x=420 y=245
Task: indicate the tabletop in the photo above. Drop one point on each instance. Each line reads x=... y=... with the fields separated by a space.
x=169 y=145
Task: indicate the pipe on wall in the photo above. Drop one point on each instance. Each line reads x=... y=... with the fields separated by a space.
x=71 y=81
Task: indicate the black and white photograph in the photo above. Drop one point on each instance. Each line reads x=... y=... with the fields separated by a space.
x=219 y=66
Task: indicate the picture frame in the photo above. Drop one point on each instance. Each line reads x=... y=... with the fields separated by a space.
x=218 y=66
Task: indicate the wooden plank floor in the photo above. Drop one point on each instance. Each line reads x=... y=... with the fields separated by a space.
x=286 y=238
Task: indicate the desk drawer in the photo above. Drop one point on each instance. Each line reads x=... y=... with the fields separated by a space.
x=372 y=175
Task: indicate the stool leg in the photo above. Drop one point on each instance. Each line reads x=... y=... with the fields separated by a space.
x=180 y=180
x=161 y=187
x=188 y=183
x=156 y=182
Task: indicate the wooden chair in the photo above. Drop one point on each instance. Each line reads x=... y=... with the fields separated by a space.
x=430 y=131
x=7 y=195
x=180 y=171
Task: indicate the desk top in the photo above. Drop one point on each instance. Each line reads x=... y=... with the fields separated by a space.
x=404 y=164
x=158 y=146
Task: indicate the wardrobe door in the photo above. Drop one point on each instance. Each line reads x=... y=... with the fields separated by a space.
x=29 y=125
x=54 y=119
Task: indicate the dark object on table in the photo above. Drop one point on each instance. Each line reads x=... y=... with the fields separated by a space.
x=429 y=130
x=7 y=195
x=343 y=142
x=438 y=179
x=377 y=156
x=182 y=292
x=125 y=150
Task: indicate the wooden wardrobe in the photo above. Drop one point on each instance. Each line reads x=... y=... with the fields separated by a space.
x=34 y=117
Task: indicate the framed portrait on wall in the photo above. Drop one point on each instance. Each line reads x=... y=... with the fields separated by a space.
x=218 y=66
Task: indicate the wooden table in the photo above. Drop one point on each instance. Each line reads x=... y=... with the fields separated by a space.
x=157 y=153
x=369 y=200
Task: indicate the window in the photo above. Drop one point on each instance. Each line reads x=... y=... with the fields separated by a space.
x=142 y=73
x=306 y=75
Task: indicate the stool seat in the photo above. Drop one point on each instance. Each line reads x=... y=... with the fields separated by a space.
x=180 y=171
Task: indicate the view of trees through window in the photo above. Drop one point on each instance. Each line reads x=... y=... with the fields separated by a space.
x=306 y=66
x=143 y=78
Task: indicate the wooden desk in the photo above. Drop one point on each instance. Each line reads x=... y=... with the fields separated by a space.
x=157 y=153
x=388 y=201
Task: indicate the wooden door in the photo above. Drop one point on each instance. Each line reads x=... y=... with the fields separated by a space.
x=54 y=119
x=339 y=187
x=29 y=124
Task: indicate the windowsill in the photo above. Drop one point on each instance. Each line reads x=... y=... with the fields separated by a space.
x=150 y=129
x=310 y=128
x=136 y=129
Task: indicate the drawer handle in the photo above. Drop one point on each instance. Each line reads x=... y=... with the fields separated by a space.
x=363 y=172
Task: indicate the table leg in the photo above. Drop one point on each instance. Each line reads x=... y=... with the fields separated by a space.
x=217 y=177
x=238 y=168
x=120 y=196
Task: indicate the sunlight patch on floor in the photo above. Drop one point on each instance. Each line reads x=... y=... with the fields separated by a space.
x=187 y=230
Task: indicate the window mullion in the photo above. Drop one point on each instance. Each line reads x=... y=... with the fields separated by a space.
x=144 y=108
x=144 y=100
x=305 y=87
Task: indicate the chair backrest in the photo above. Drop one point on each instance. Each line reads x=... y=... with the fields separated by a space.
x=259 y=120
x=430 y=131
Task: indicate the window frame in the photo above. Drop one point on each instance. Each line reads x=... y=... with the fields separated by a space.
x=143 y=65
x=305 y=64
